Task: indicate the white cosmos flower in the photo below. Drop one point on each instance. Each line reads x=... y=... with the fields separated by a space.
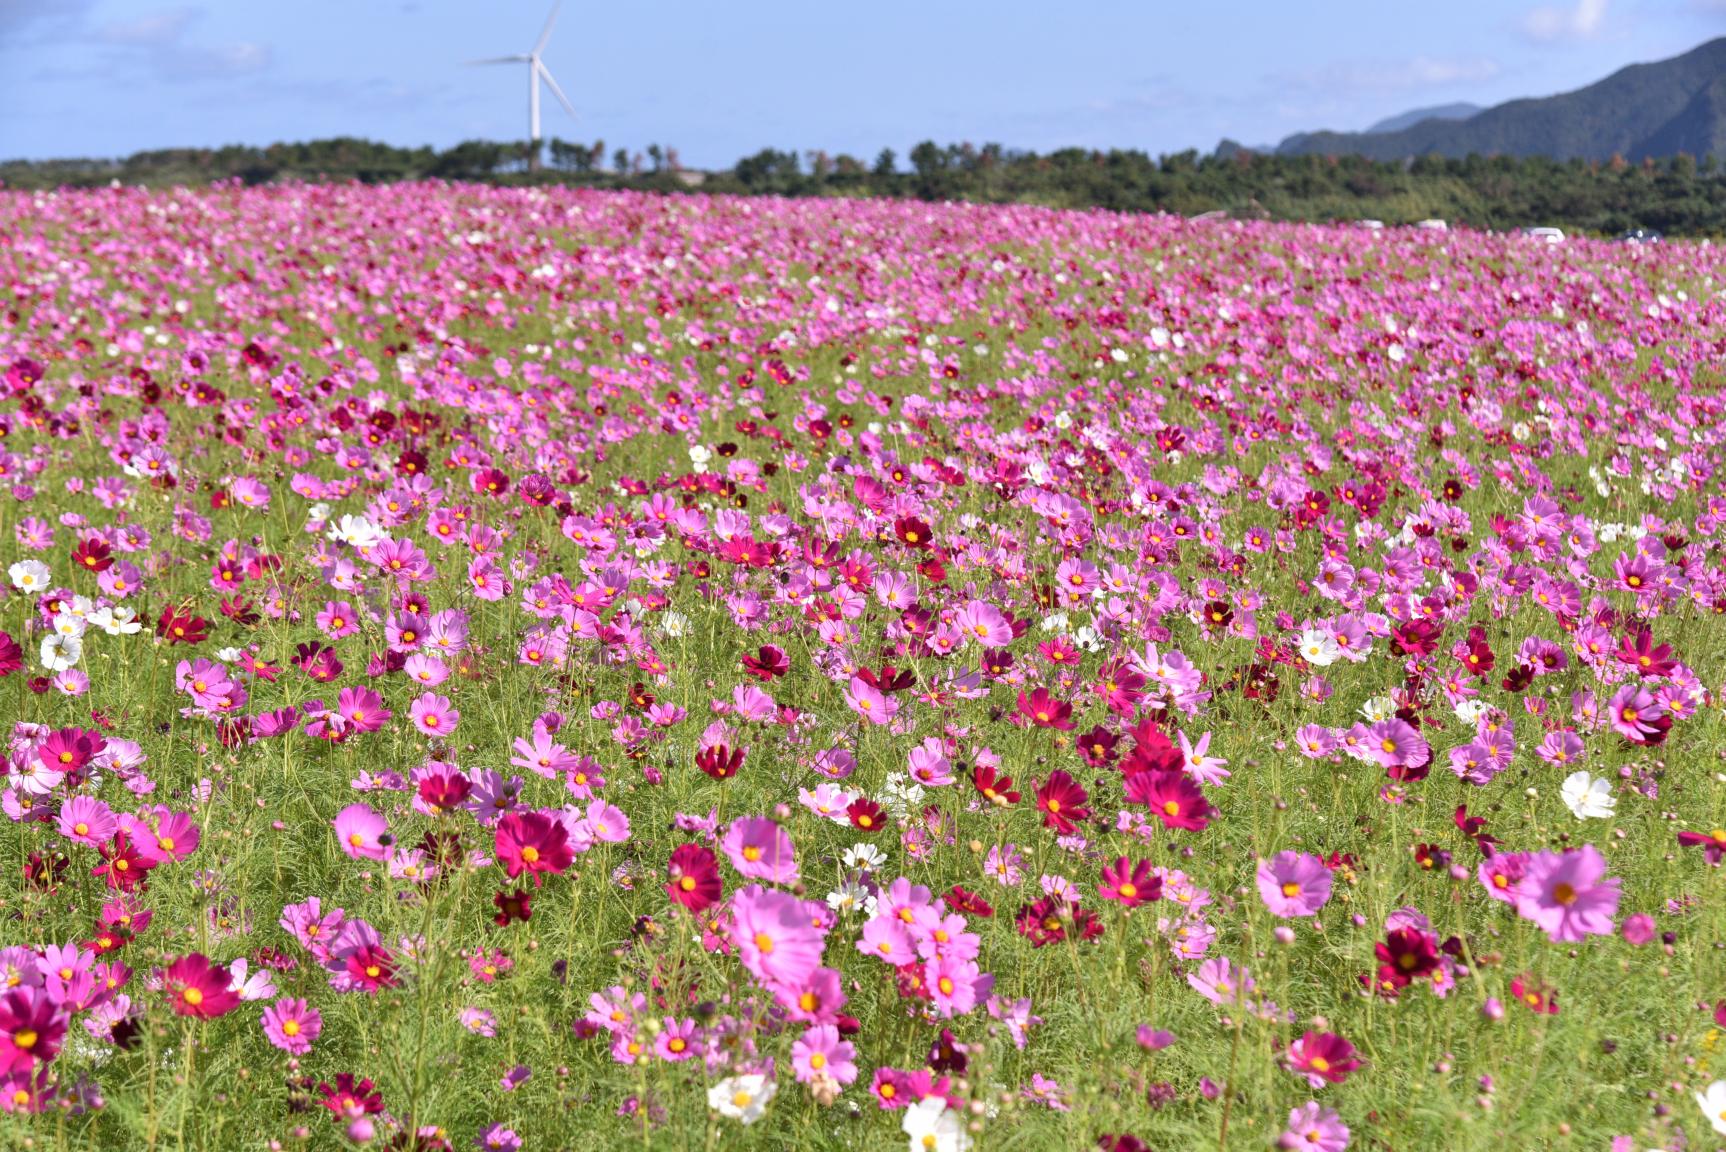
x=1712 y=1101
x=742 y=1098
x=69 y=624
x=61 y=652
x=674 y=624
x=30 y=575
x=115 y=621
x=933 y=1127
x=865 y=856
x=852 y=898
x=357 y=531
x=1470 y=711
x=1588 y=796
x=1319 y=648
x=1378 y=708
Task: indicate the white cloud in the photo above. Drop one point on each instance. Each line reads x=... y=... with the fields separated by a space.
x=1566 y=23
x=156 y=28
x=1346 y=77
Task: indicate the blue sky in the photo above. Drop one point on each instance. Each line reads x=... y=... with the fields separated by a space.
x=721 y=80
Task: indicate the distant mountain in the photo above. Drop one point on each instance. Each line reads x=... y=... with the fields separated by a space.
x=1659 y=109
x=1461 y=111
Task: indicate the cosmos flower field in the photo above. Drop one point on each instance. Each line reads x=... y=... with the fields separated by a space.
x=521 y=668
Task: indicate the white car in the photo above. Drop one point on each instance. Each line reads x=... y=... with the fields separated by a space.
x=1433 y=226
x=1549 y=235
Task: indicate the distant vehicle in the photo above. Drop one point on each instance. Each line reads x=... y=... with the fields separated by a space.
x=1549 y=235
x=1371 y=225
x=1434 y=225
x=1213 y=214
x=1640 y=236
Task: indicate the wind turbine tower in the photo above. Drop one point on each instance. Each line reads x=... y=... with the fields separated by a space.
x=536 y=72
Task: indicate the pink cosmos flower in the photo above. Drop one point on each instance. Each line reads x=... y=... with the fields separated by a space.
x=1568 y=894
x=360 y=832
x=1293 y=884
x=821 y=1052
x=774 y=936
x=434 y=715
x=761 y=850
x=1314 y=1129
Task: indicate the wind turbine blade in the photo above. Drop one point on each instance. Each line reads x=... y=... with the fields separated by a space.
x=545 y=74
x=497 y=60
x=539 y=45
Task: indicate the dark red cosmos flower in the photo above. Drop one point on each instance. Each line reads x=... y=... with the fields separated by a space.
x=1172 y=797
x=512 y=906
x=1537 y=996
x=123 y=866
x=1097 y=747
x=995 y=788
x=444 y=791
x=1477 y=656
x=997 y=662
x=887 y=679
x=1404 y=956
x=866 y=815
x=93 y=555
x=1062 y=802
x=198 y=988
x=719 y=761
x=911 y=531
x=694 y=877
x=768 y=663
x=181 y=627
x=1431 y=857
x=963 y=900
x=350 y=1098
x=1121 y=1142
x=1052 y=919
x=1045 y=711
x=533 y=842
x=1152 y=751
x=11 y=654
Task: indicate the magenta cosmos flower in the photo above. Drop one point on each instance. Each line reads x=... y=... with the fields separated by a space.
x=360 y=832
x=292 y=1025
x=775 y=937
x=32 y=1028
x=1294 y=884
x=1323 y=1058
x=198 y=988
x=532 y=842
x=1568 y=894
x=761 y=850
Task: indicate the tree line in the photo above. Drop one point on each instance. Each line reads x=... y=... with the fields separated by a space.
x=1680 y=195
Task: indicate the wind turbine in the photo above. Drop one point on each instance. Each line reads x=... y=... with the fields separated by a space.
x=536 y=71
